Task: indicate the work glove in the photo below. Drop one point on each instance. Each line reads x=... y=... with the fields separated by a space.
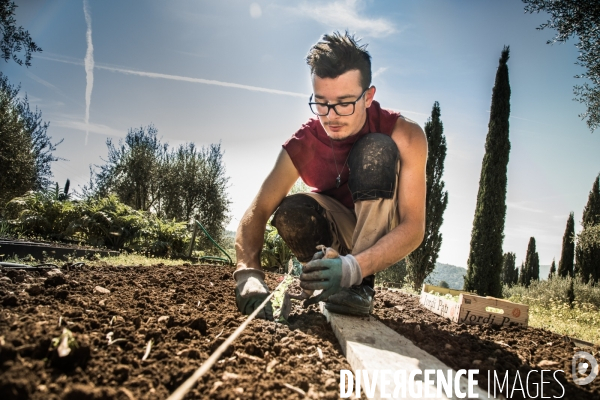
x=330 y=275
x=250 y=291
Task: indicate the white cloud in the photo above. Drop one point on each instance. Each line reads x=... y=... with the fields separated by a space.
x=178 y=78
x=379 y=71
x=346 y=14
x=255 y=10
x=521 y=207
x=89 y=65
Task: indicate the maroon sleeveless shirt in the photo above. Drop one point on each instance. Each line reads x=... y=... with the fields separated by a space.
x=310 y=151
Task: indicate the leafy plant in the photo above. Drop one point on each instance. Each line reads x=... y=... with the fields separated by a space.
x=164 y=237
x=37 y=214
x=274 y=252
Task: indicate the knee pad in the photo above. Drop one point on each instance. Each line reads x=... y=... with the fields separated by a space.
x=372 y=162
x=302 y=225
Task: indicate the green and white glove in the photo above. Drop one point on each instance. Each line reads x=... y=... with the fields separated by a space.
x=330 y=275
x=250 y=291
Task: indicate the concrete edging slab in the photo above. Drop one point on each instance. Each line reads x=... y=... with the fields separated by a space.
x=370 y=345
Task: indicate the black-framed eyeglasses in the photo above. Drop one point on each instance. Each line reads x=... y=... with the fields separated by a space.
x=342 y=109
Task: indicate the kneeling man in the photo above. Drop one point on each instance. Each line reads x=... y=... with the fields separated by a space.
x=366 y=168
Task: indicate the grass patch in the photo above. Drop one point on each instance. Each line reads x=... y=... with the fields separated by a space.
x=581 y=322
x=549 y=307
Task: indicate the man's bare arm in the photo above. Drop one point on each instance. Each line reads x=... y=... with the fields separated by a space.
x=398 y=243
x=250 y=234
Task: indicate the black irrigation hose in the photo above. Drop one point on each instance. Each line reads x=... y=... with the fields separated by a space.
x=39 y=267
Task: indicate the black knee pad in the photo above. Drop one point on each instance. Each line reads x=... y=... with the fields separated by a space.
x=300 y=221
x=372 y=162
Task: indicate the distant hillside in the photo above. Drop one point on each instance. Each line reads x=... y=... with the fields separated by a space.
x=453 y=275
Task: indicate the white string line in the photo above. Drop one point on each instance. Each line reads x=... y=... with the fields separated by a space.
x=205 y=367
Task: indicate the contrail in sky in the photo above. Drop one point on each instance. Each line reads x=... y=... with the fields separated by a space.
x=189 y=79
x=200 y=80
x=89 y=67
x=179 y=78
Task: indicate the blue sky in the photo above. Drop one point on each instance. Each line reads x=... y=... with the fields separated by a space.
x=233 y=72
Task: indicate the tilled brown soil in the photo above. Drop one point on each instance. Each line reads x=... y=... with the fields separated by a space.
x=518 y=350
x=186 y=311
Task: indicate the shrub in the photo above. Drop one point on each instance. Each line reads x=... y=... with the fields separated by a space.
x=555 y=289
x=274 y=252
x=97 y=222
x=38 y=214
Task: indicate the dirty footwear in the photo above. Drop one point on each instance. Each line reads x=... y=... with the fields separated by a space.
x=357 y=300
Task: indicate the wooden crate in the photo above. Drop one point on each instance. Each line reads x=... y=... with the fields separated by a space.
x=473 y=309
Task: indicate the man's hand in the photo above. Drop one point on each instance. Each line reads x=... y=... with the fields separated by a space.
x=250 y=291
x=330 y=275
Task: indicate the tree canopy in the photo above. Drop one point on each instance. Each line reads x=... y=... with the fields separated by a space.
x=485 y=254
x=173 y=183
x=421 y=262
x=565 y=264
x=14 y=39
x=579 y=18
x=25 y=147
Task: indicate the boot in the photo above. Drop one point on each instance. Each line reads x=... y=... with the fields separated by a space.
x=356 y=300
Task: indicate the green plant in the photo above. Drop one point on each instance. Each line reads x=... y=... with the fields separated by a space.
x=487 y=235
x=37 y=214
x=557 y=289
x=564 y=305
x=165 y=238
x=421 y=262
x=64 y=343
x=274 y=252
x=108 y=222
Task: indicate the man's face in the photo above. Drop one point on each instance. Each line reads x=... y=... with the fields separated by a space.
x=344 y=88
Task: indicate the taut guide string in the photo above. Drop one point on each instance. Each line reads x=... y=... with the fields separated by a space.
x=186 y=386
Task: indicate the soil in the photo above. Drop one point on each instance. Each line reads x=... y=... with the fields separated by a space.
x=186 y=311
x=517 y=350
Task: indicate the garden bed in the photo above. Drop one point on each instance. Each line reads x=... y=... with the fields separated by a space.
x=487 y=347
x=186 y=311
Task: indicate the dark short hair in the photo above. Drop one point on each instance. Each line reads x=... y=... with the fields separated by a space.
x=337 y=54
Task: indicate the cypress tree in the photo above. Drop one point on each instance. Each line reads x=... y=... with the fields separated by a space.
x=421 y=262
x=523 y=274
x=532 y=264
x=509 y=271
x=588 y=257
x=571 y=293
x=485 y=255
x=552 y=270
x=565 y=265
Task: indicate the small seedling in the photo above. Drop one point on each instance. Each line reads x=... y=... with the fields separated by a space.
x=109 y=336
x=148 y=348
x=64 y=343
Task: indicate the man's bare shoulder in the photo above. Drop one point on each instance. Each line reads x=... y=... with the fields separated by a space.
x=408 y=135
